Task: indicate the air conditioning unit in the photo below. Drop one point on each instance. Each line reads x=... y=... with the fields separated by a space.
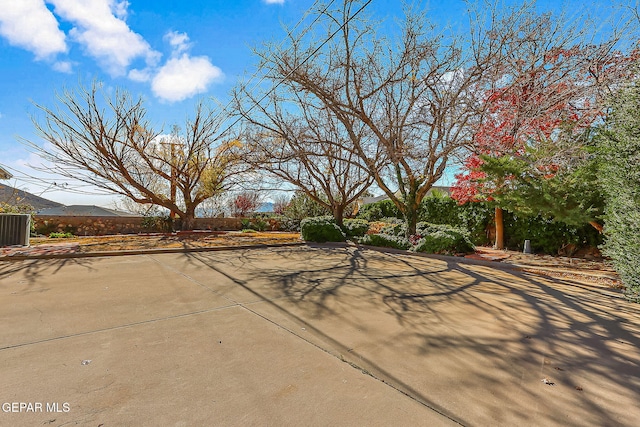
x=15 y=229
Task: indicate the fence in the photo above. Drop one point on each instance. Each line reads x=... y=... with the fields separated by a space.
x=104 y=225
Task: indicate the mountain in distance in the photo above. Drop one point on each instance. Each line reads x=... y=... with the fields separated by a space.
x=265 y=207
x=15 y=196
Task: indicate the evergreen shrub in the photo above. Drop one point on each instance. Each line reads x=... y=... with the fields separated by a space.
x=385 y=241
x=321 y=229
x=430 y=238
x=355 y=227
x=620 y=180
x=379 y=210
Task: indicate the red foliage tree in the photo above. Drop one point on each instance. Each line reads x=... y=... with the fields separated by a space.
x=245 y=203
x=545 y=108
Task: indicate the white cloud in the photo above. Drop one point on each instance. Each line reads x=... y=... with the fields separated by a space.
x=178 y=41
x=274 y=1
x=30 y=25
x=63 y=66
x=183 y=77
x=100 y=28
x=120 y=9
x=143 y=75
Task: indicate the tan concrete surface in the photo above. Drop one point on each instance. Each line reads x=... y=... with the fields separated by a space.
x=312 y=336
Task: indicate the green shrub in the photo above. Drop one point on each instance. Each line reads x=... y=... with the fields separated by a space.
x=57 y=235
x=385 y=240
x=423 y=228
x=321 y=229
x=396 y=228
x=440 y=210
x=546 y=235
x=449 y=241
x=476 y=219
x=619 y=156
x=248 y=230
x=302 y=206
x=158 y=223
x=379 y=210
x=257 y=224
x=355 y=227
x=430 y=238
x=288 y=224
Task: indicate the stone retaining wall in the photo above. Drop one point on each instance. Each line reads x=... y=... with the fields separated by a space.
x=104 y=225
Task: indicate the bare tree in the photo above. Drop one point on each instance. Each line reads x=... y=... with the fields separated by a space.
x=280 y=203
x=299 y=141
x=415 y=97
x=106 y=141
x=125 y=204
x=420 y=95
x=214 y=207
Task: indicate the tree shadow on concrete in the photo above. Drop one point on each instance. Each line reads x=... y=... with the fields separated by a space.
x=33 y=269
x=488 y=336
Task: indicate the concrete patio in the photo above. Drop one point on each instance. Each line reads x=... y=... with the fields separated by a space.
x=310 y=336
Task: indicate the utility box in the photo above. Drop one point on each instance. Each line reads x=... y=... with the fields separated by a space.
x=15 y=229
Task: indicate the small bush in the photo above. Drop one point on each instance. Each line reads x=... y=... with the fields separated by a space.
x=385 y=241
x=429 y=228
x=66 y=235
x=442 y=239
x=430 y=238
x=286 y=223
x=260 y=225
x=444 y=242
x=398 y=228
x=257 y=224
x=355 y=227
x=162 y=224
x=248 y=230
x=321 y=229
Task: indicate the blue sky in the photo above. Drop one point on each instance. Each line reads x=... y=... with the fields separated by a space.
x=171 y=52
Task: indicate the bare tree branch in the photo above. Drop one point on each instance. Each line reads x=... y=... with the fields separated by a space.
x=106 y=141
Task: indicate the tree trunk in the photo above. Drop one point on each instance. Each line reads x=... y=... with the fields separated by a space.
x=411 y=214
x=188 y=221
x=338 y=214
x=499 y=229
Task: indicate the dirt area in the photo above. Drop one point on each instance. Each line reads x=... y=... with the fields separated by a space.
x=590 y=270
x=595 y=270
x=44 y=245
